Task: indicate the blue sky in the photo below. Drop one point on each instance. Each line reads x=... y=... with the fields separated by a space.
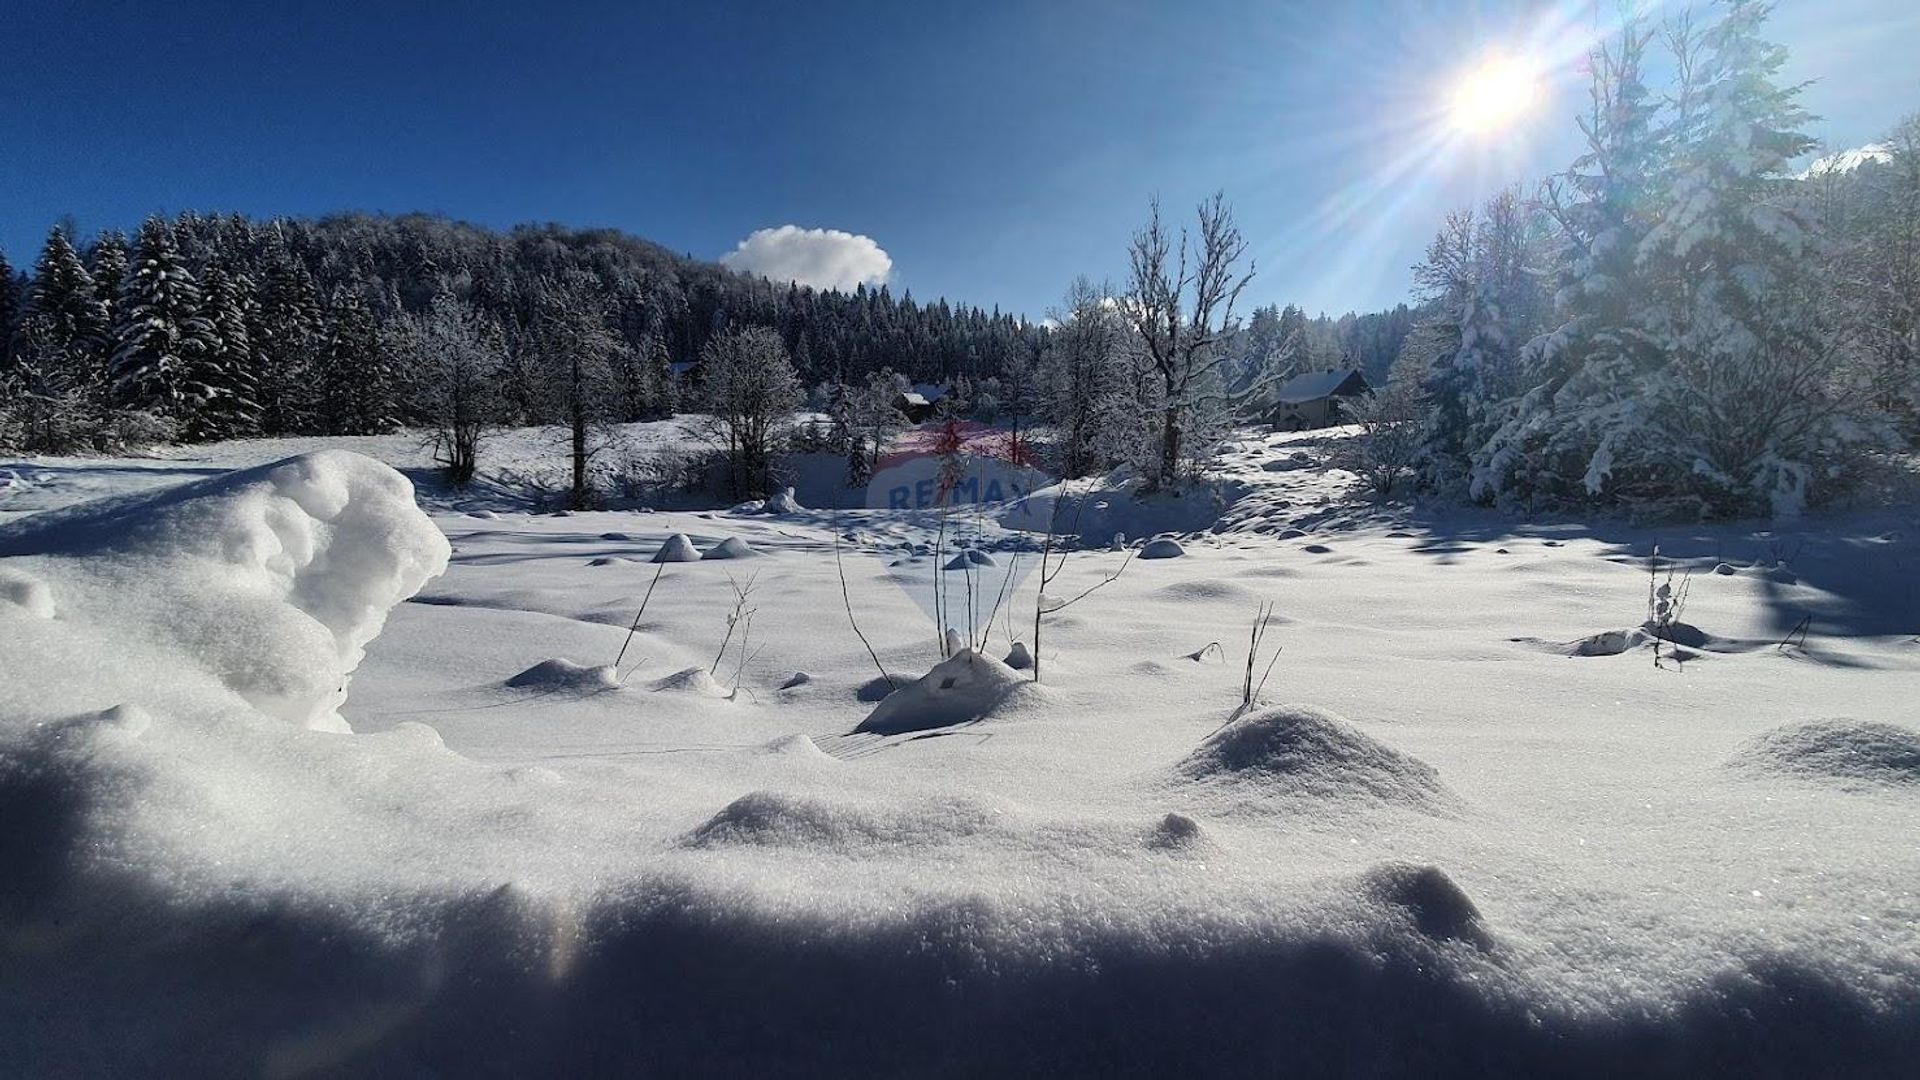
x=992 y=150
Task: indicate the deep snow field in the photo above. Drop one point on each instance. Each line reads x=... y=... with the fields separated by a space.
x=1463 y=834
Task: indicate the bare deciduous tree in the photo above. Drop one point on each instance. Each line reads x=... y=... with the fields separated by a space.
x=1180 y=299
x=751 y=393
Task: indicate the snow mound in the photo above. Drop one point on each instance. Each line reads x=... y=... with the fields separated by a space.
x=965 y=686
x=970 y=557
x=797 y=680
x=798 y=747
x=773 y=819
x=23 y=591
x=615 y=536
x=677 y=549
x=1020 y=658
x=1609 y=643
x=783 y=503
x=731 y=548
x=272 y=579
x=1178 y=832
x=1851 y=753
x=1163 y=548
x=1298 y=750
x=1438 y=907
x=560 y=673
x=693 y=680
x=608 y=560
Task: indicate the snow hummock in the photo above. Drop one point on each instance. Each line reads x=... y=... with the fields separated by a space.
x=782 y=503
x=731 y=548
x=1848 y=753
x=1299 y=750
x=677 y=548
x=692 y=680
x=969 y=558
x=1438 y=908
x=563 y=674
x=965 y=686
x=25 y=592
x=272 y=579
x=1164 y=547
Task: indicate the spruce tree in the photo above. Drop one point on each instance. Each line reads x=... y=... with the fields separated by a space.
x=9 y=310
x=1575 y=415
x=357 y=391
x=108 y=264
x=164 y=354
x=1742 y=412
x=70 y=324
x=235 y=412
x=286 y=336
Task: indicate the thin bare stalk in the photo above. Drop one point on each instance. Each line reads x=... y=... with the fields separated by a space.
x=635 y=628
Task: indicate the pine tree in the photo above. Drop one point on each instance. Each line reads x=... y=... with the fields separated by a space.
x=165 y=357
x=353 y=399
x=1742 y=411
x=108 y=264
x=9 y=310
x=286 y=336
x=235 y=411
x=69 y=326
x=1576 y=406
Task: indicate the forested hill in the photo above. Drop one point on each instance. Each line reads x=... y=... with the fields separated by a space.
x=398 y=263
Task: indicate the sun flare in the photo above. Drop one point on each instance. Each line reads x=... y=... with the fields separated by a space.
x=1493 y=96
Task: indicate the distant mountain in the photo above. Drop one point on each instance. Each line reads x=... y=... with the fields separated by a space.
x=1847 y=161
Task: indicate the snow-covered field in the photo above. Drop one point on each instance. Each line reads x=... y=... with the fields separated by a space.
x=1463 y=835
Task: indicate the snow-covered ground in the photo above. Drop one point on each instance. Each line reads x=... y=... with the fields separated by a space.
x=1463 y=834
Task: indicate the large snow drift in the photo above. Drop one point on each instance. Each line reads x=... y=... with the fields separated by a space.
x=271 y=580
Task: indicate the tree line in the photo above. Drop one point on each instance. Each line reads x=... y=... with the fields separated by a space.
x=210 y=327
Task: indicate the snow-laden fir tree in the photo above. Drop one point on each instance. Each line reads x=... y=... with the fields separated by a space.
x=9 y=309
x=1743 y=414
x=234 y=411
x=108 y=264
x=358 y=392
x=164 y=351
x=1480 y=271
x=71 y=327
x=1580 y=376
x=286 y=332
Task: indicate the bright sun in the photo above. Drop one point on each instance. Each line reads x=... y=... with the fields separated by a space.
x=1490 y=97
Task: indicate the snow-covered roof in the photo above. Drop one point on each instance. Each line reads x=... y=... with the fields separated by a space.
x=930 y=392
x=913 y=397
x=681 y=367
x=1313 y=385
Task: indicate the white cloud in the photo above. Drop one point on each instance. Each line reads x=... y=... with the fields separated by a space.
x=822 y=258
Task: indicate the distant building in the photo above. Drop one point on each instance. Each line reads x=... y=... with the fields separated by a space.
x=919 y=403
x=1313 y=399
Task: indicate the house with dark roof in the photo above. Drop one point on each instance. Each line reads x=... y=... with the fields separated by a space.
x=1313 y=399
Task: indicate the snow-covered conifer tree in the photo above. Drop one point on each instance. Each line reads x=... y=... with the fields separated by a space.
x=164 y=351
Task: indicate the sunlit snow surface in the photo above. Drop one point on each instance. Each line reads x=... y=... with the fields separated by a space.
x=1448 y=846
